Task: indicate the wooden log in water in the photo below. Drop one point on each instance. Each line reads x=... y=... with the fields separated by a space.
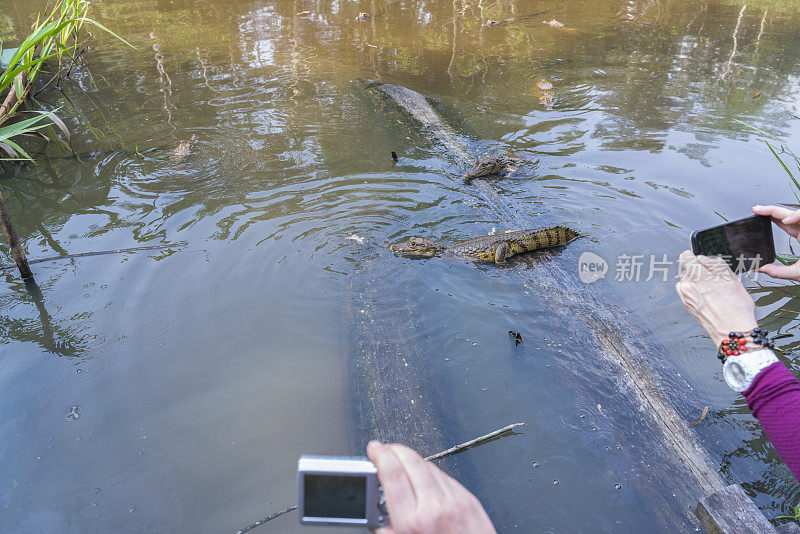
x=730 y=511
x=687 y=464
x=393 y=393
x=387 y=365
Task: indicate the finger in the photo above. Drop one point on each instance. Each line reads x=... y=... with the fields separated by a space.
x=783 y=217
x=688 y=264
x=778 y=213
x=422 y=474
x=400 y=497
x=784 y=272
x=716 y=265
x=793 y=218
x=687 y=256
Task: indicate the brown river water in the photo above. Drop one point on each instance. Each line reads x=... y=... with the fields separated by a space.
x=173 y=390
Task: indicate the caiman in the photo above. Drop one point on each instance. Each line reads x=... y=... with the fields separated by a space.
x=490 y=166
x=496 y=248
x=184 y=149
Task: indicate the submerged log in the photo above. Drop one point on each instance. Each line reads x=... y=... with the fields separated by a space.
x=674 y=457
x=730 y=511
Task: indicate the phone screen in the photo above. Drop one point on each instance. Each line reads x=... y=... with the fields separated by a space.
x=746 y=244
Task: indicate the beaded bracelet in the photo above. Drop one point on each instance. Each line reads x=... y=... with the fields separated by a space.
x=737 y=342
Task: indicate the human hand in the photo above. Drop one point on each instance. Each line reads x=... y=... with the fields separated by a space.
x=714 y=296
x=421 y=499
x=789 y=221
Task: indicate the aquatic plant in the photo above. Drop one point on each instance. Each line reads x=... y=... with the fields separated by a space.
x=53 y=37
x=796 y=515
x=778 y=149
x=794 y=160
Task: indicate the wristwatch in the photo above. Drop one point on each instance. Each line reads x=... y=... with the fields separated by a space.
x=739 y=371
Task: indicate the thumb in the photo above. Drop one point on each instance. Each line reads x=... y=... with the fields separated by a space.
x=786 y=272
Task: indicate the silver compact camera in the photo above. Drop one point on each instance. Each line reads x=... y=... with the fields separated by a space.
x=339 y=490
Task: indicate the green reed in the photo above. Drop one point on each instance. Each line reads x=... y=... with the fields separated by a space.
x=778 y=148
x=54 y=39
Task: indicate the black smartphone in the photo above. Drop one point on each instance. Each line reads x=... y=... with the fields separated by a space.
x=746 y=244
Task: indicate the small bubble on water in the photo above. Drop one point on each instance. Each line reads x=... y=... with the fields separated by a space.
x=132 y=508
x=73 y=413
x=79 y=371
x=619 y=447
x=594 y=427
x=94 y=505
x=474 y=343
x=103 y=286
x=582 y=415
x=608 y=449
x=555 y=482
x=535 y=464
x=617 y=486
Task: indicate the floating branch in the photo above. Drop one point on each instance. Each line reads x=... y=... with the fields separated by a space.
x=437 y=456
x=473 y=442
x=101 y=252
x=268 y=518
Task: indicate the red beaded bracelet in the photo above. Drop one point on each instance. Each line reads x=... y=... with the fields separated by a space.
x=737 y=342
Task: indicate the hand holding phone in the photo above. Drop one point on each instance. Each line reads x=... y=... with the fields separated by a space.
x=789 y=221
x=745 y=244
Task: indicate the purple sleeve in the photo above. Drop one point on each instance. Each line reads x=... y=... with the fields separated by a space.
x=774 y=399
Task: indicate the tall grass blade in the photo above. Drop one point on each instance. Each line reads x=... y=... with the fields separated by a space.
x=794 y=180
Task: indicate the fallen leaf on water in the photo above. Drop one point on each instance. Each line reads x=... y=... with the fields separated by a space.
x=303 y=13
x=600 y=409
x=756 y=95
x=703 y=416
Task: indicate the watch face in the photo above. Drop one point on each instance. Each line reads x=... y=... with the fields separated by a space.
x=740 y=371
x=735 y=376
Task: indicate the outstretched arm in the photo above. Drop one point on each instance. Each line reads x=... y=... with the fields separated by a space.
x=774 y=399
x=719 y=302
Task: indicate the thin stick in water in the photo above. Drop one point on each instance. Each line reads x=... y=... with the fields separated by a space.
x=101 y=252
x=473 y=442
x=268 y=518
x=437 y=456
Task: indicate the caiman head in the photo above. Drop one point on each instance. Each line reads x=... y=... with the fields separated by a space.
x=487 y=166
x=417 y=246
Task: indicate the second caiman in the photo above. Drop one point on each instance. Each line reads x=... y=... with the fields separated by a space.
x=495 y=248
